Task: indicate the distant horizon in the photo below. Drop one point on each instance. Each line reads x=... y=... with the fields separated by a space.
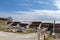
x=43 y=21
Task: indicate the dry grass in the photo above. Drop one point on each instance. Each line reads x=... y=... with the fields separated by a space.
x=26 y=31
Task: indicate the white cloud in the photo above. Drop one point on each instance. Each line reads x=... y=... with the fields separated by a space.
x=41 y=2
x=33 y=15
x=57 y=3
x=51 y=13
x=44 y=13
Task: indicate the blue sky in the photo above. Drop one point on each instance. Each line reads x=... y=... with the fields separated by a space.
x=26 y=5
x=30 y=9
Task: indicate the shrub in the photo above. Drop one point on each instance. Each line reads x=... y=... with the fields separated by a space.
x=47 y=38
x=31 y=31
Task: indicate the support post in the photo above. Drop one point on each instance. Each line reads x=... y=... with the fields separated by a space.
x=53 y=28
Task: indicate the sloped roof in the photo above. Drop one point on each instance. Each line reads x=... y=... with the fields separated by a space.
x=15 y=23
x=35 y=24
x=23 y=24
x=4 y=19
x=9 y=22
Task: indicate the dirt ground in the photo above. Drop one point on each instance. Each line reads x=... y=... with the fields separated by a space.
x=13 y=36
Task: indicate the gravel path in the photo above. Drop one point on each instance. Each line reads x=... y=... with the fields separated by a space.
x=12 y=36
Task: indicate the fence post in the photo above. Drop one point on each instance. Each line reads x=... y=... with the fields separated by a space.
x=39 y=32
